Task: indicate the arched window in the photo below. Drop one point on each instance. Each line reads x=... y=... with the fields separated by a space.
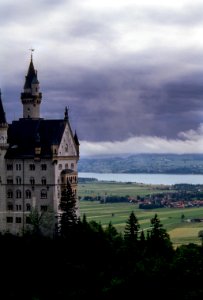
x=66 y=166
x=27 y=194
x=32 y=180
x=18 y=194
x=10 y=194
x=43 y=194
x=60 y=166
x=72 y=166
x=44 y=181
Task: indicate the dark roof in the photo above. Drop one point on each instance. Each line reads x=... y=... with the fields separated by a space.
x=31 y=76
x=26 y=134
x=76 y=139
x=2 y=113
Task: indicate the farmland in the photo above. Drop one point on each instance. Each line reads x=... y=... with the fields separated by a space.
x=175 y=220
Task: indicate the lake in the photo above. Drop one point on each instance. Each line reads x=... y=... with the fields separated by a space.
x=167 y=179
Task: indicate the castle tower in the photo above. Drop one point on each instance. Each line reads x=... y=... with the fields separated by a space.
x=3 y=149
x=31 y=97
x=3 y=126
x=37 y=157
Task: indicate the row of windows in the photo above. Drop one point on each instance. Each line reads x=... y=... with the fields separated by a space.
x=18 y=207
x=10 y=219
x=60 y=167
x=70 y=179
x=31 y=167
x=28 y=194
x=10 y=167
x=32 y=180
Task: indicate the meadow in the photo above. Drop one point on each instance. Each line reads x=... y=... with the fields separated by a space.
x=181 y=231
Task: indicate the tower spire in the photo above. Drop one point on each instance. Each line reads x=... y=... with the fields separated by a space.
x=2 y=113
x=31 y=97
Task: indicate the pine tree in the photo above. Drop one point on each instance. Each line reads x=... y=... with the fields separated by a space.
x=68 y=218
x=132 y=228
x=158 y=238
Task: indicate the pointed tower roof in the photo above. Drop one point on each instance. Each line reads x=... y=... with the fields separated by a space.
x=31 y=75
x=2 y=113
x=76 y=139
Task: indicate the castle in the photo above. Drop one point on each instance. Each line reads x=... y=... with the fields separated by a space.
x=37 y=158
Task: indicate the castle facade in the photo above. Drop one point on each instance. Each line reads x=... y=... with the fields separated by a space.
x=37 y=158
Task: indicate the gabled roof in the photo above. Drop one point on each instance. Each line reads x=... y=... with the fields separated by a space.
x=26 y=134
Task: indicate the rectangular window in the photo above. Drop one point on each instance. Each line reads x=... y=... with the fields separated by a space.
x=43 y=167
x=43 y=207
x=9 y=180
x=9 y=167
x=28 y=220
x=18 y=207
x=28 y=207
x=32 y=167
x=9 y=219
x=18 y=167
x=10 y=206
x=18 y=219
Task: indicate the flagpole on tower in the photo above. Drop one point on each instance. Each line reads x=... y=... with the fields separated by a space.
x=32 y=50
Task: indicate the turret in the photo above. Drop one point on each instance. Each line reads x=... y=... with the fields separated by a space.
x=77 y=143
x=31 y=97
x=3 y=125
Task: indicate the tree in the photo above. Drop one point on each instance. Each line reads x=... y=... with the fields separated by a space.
x=41 y=223
x=200 y=235
x=158 y=238
x=68 y=218
x=182 y=218
x=132 y=228
x=111 y=231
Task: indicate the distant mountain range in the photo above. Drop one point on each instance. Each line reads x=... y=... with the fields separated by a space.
x=144 y=163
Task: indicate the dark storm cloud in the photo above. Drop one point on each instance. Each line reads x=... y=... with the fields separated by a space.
x=125 y=69
x=121 y=101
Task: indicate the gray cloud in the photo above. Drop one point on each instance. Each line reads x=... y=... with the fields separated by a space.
x=125 y=71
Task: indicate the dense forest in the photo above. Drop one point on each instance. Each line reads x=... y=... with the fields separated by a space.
x=84 y=260
x=88 y=261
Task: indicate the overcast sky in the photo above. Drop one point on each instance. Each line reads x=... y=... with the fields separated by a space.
x=130 y=71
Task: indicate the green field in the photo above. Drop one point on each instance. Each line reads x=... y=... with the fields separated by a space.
x=118 y=213
x=102 y=188
x=180 y=232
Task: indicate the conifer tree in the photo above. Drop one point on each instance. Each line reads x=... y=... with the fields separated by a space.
x=68 y=218
x=158 y=237
x=132 y=228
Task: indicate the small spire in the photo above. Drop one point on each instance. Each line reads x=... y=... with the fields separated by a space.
x=30 y=74
x=66 y=113
x=76 y=138
x=2 y=113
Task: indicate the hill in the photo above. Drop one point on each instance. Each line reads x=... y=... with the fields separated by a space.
x=144 y=163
